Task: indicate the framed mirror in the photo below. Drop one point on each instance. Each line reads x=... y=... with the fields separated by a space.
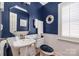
x=49 y=19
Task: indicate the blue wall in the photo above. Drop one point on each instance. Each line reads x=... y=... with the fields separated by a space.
x=5 y=18
x=41 y=12
x=50 y=9
x=36 y=10
x=33 y=11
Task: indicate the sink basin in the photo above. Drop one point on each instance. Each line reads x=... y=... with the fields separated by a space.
x=23 y=42
x=18 y=33
x=33 y=36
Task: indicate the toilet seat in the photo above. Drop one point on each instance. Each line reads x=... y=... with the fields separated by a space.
x=47 y=50
x=47 y=53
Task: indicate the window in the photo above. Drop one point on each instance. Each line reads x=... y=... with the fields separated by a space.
x=69 y=20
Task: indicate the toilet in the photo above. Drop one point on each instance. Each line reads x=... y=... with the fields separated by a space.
x=44 y=49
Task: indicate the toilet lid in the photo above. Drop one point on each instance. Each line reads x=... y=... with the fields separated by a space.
x=46 y=48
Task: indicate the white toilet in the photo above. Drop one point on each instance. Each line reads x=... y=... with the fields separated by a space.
x=41 y=43
x=46 y=50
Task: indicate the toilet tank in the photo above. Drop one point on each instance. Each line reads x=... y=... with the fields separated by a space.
x=39 y=42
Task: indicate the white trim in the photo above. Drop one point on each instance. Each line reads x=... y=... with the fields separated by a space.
x=20 y=8
x=13 y=22
x=2 y=6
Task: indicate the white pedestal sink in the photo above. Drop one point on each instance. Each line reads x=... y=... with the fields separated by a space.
x=23 y=42
x=24 y=45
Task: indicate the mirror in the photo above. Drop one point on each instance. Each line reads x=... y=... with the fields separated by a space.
x=49 y=19
x=13 y=24
x=18 y=21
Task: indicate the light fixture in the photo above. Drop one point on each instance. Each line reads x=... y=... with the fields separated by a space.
x=27 y=3
x=43 y=3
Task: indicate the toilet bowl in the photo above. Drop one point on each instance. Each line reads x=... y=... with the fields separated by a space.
x=46 y=50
